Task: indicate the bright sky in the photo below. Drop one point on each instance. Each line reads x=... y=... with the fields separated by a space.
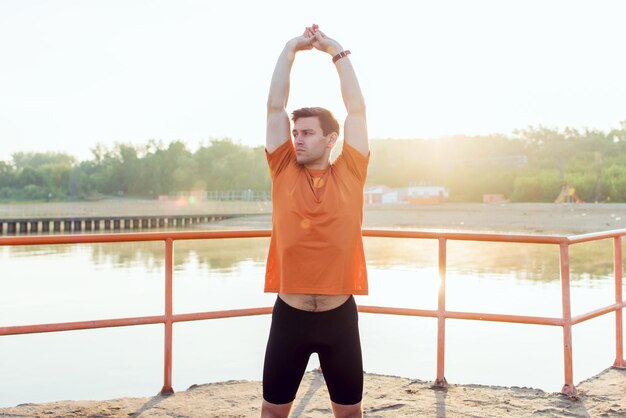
x=74 y=73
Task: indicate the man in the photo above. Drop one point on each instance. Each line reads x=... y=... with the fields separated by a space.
x=316 y=260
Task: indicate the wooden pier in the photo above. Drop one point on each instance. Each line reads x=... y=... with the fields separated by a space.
x=74 y=224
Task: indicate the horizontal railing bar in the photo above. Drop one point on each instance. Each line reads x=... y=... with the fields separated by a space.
x=538 y=320
x=594 y=236
x=397 y=311
x=465 y=236
x=73 y=326
x=122 y=322
x=519 y=319
x=264 y=233
x=196 y=316
x=598 y=312
x=131 y=237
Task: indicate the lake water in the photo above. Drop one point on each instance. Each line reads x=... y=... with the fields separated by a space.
x=45 y=284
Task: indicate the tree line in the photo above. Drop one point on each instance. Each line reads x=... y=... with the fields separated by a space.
x=529 y=165
x=134 y=171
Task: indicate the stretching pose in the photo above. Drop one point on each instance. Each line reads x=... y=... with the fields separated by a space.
x=316 y=260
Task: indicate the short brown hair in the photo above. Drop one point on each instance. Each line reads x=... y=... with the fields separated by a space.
x=327 y=119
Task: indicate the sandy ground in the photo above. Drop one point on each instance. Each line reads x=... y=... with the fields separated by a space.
x=532 y=218
x=525 y=218
x=385 y=396
x=603 y=395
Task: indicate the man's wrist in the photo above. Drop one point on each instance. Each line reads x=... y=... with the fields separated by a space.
x=333 y=50
x=295 y=45
x=291 y=45
x=341 y=55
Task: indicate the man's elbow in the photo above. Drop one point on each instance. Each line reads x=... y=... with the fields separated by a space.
x=357 y=108
x=275 y=106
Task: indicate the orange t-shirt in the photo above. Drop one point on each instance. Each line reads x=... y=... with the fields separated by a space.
x=316 y=245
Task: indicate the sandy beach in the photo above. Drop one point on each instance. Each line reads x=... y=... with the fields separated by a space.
x=384 y=396
x=603 y=395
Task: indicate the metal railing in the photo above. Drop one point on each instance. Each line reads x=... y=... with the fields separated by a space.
x=566 y=321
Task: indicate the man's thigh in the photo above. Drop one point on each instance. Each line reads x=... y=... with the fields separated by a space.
x=341 y=360
x=286 y=357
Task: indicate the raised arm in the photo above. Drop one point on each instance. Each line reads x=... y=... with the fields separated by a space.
x=278 y=127
x=355 y=126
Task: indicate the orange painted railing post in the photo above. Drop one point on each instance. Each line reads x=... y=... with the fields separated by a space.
x=568 y=388
x=167 y=373
x=441 y=317
x=619 y=339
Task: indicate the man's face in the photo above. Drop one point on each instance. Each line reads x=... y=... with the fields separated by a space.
x=309 y=141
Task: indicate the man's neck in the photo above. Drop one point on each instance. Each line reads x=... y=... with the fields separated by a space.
x=317 y=165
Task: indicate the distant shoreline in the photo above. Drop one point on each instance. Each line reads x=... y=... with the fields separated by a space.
x=528 y=218
x=525 y=218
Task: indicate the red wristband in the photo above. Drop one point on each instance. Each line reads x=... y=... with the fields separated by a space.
x=341 y=55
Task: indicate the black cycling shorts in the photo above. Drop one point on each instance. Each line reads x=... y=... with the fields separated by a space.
x=296 y=334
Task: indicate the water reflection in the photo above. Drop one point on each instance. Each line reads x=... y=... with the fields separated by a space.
x=537 y=262
x=220 y=254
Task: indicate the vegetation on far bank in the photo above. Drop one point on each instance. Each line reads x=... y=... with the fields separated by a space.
x=528 y=166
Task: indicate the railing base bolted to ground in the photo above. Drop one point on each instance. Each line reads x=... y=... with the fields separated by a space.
x=566 y=321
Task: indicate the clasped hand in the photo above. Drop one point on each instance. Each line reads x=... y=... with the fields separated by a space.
x=315 y=38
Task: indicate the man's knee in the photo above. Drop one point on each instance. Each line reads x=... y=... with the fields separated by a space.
x=347 y=411
x=272 y=410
